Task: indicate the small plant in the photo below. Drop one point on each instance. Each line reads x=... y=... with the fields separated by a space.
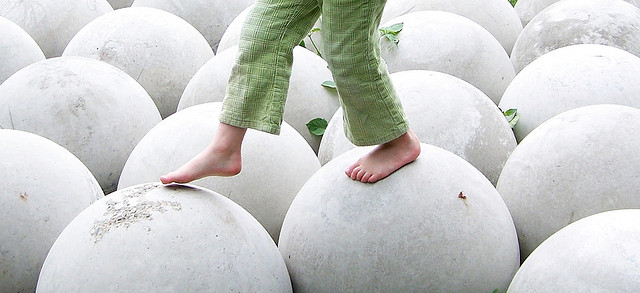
x=315 y=47
x=512 y=116
x=317 y=126
x=329 y=84
x=391 y=32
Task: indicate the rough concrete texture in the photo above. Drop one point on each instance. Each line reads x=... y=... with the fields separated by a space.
x=52 y=23
x=579 y=163
x=44 y=187
x=17 y=49
x=158 y=49
x=446 y=112
x=453 y=44
x=435 y=225
x=154 y=238
x=596 y=254
x=607 y=22
x=274 y=166
x=571 y=77
x=210 y=17
x=91 y=108
x=307 y=99
x=528 y=9
x=497 y=16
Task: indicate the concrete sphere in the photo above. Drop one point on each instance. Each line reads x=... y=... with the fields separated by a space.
x=307 y=99
x=117 y=4
x=452 y=44
x=154 y=238
x=44 y=187
x=89 y=107
x=571 y=77
x=52 y=23
x=596 y=254
x=158 y=49
x=446 y=112
x=231 y=36
x=496 y=16
x=17 y=49
x=435 y=225
x=607 y=22
x=209 y=17
x=578 y=163
x=528 y=9
x=274 y=166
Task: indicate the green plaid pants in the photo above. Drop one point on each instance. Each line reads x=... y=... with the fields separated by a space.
x=259 y=81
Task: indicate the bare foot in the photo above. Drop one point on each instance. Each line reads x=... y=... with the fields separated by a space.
x=222 y=157
x=385 y=158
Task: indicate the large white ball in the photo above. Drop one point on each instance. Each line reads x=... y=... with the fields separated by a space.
x=596 y=254
x=528 y=9
x=446 y=112
x=44 y=187
x=274 y=166
x=307 y=99
x=17 y=49
x=158 y=49
x=571 y=77
x=435 y=225
x=452 y=44
x=154 y=238
x=607 y=22
x=210 y=17
x=231 y=35
x=578 y=163
x=497 y=16
x=52 y=23
x=89 y=107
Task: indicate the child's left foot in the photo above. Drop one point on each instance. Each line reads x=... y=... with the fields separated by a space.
x=386 y=158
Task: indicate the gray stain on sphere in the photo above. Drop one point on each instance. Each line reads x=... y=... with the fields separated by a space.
x=133 y=208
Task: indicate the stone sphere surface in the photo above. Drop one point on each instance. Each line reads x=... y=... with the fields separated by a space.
x=152 y=238
x=307 y=99
x=497 y=16
x=158 y=49
x=578 y=163
x=274 y=166
x=453 y=44
x=89 y=107
x=44 y=188
x=528 y=9
x=446 y=112
x=52 y=23
x=434 y=225
x=596 y=254
x=210 y=17
x=17 y=49
x=606 y=22
x=571 y=77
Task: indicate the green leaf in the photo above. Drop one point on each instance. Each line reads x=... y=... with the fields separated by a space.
x=317 y=126
x=329 y=84
x=513 y=2
x=391 y=32
x=512 y=116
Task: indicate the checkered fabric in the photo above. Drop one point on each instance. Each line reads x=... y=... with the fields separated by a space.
x=259 y=81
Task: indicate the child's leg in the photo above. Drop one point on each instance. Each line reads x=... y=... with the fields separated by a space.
x=260 y=78
x=373 y=114
x=258 y=85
